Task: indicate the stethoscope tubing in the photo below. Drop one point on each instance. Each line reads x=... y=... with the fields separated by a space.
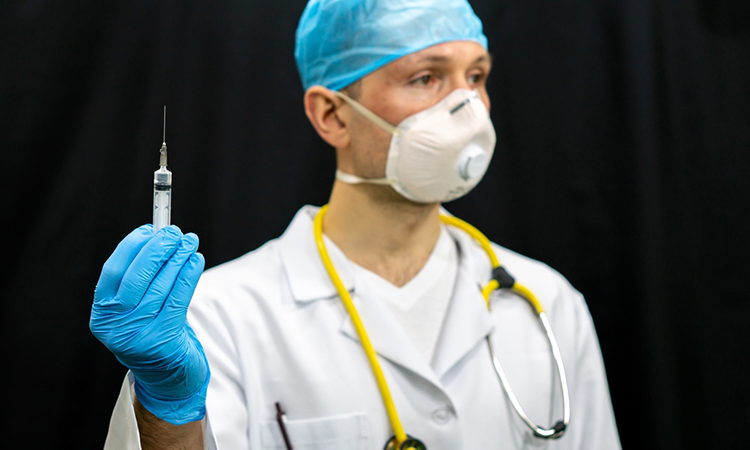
x=501 y=280
x=558 y=429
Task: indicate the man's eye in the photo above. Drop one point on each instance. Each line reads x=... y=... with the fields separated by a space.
x=423 y=80
x=475 y=78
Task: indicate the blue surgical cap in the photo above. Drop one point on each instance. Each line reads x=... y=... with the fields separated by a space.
x=340 y=41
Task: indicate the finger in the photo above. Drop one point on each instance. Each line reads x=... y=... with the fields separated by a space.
x=116 y=265
x=146 y=265
x=162 y=284
x=184 y=287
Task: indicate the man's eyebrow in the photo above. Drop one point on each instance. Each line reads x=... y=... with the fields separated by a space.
x=487 y=57
x=433 y=58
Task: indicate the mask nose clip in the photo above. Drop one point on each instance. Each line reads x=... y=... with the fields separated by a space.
x=472 y=162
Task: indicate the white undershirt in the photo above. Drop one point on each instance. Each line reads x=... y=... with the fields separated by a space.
x=419 y=305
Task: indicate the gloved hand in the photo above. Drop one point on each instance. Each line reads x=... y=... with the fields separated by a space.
x=139 y=313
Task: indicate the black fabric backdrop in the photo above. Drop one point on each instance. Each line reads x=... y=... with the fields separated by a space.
x=622 y=161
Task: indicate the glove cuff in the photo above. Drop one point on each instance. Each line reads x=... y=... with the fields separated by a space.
x=175 y=411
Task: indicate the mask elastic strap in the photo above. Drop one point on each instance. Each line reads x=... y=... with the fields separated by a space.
x=369 y=114
x=353 y=179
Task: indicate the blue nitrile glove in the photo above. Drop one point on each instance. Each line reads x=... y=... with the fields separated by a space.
x=139 y=310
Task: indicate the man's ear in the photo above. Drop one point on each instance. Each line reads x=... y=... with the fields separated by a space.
x=324 y=109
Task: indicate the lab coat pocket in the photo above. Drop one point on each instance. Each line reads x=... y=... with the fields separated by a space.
x=346 y=432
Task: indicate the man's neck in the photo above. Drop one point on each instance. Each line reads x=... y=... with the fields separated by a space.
x=392 y=238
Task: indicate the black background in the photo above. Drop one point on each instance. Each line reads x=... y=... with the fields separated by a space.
x=622 y=161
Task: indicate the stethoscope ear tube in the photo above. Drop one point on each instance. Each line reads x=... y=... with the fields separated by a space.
x=559 y=428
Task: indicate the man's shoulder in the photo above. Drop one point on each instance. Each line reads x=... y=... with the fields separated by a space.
x=547 y=283
x=262 y=276
x=526 y=266
x=247 y=272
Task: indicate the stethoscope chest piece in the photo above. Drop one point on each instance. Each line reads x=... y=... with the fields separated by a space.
x=409 y=444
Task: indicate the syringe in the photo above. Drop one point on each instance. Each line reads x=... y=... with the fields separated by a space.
x=162 y=186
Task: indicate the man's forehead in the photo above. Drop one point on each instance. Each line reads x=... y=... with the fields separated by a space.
x=465 y=52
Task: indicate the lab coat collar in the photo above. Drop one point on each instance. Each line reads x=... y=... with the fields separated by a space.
x=307 y=275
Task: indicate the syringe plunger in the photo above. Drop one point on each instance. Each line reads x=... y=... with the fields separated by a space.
x=162 y=198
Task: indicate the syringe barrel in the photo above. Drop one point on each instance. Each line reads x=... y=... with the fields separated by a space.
x=162 y=198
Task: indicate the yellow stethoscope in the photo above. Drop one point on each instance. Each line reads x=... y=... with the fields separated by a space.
x=500 y=280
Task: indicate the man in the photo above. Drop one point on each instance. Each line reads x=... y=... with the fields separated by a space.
x=398 y=89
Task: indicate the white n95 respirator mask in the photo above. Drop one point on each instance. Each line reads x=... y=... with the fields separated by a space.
x=438 y=154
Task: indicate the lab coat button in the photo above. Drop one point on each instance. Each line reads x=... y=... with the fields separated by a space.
x=441 y=416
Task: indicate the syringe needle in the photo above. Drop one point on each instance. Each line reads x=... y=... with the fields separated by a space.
x=163 y=151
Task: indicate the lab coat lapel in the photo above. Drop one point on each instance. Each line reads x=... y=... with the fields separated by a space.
x=308 y=278
x=387 y=336
x=467 y=321
x=466 y=324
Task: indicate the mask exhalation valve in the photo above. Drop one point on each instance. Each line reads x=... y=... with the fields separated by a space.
x=472 y=162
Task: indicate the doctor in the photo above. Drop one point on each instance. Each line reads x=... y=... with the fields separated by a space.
x=268 y=357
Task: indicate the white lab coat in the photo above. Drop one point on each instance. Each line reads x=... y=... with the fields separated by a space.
x=274 y=330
